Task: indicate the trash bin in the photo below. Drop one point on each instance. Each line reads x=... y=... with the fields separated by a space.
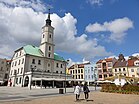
x=61 y=91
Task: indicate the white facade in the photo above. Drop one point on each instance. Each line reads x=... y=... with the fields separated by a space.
x=90 y=73
x=30 y=62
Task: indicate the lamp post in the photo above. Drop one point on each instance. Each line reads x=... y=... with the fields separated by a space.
x=95 y=78
x=32 y=69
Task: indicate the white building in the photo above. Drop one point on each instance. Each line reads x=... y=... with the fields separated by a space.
x=39 y=65
x=91 y=73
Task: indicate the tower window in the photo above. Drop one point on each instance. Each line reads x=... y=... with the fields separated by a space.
x=49 y=48
x=49 y=55
x=50 y=36
x=43 y=36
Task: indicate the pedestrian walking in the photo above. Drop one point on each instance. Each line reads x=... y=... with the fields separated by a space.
x=77 y=91
x=86 y=90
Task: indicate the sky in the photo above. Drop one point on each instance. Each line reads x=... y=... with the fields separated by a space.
x=85 y=30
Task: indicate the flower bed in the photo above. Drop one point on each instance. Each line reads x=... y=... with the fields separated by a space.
x=126 y=89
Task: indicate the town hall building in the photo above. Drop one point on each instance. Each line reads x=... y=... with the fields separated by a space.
x=38 y=66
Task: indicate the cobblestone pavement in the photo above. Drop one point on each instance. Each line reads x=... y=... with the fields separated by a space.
x=94 y=98
x=23 y=93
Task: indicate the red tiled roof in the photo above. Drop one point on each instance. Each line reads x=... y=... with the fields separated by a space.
x=131 y=62
x=107 y=60
x=120 y=64
x=8 y=60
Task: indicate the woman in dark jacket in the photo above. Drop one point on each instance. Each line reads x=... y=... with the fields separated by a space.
x=86 y=91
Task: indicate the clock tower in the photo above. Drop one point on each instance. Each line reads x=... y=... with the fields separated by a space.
x=47 y=45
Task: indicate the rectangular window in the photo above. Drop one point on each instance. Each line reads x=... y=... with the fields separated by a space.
x=76 y=71
x=20 y=53
x=86 y=76
x=61 y=65
x=99 y=65
x=81 y=76
x=15 y=63
x=105 y=75
x=100 y=76
x=39 y=62
x=33 y=61
x=115 y=70
x=71 y=72
x=16 y=80
x=20 y=80
x=92 y=76
x=92 y=69
x=109 y=64
x=49 y=48
x=49 y=55
x=22 y=60
x=21 y=71
x=78 y=76
x=132 y=70
x=18 y=71
x=19 y=62
x=12 y=64
x=16 y=54
x=79 y=71
x=6 y=76
x=57 y=65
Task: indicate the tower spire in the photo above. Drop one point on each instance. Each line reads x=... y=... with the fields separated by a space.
x=49 y=14
x=48 y=21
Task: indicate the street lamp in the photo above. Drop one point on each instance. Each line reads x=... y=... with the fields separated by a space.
x=95 y=78
x=32 y=69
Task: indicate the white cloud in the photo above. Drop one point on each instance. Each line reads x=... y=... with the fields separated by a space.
x=22 y=25
x=95 y=2
x=117 y=28
x=135 y=54
x=37 y=5
x=96 y=27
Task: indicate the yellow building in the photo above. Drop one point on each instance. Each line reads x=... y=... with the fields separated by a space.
x=77 y=71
